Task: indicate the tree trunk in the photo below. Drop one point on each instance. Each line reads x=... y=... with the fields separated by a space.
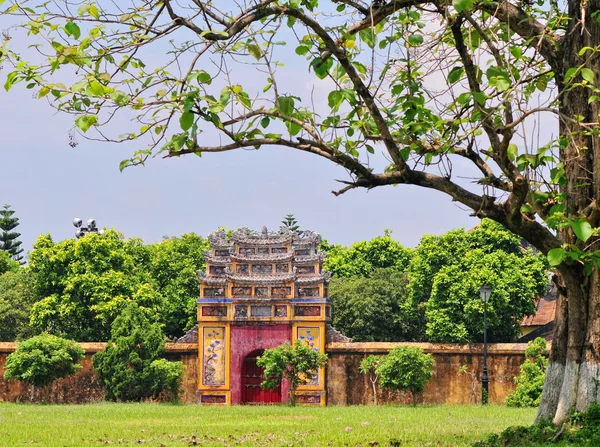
x=374 y=385
x=292 y=395
x=573 y=373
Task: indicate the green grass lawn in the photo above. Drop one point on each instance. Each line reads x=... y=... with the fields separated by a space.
x=169 y=426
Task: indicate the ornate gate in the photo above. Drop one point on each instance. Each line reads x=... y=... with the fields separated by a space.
x=252 y=376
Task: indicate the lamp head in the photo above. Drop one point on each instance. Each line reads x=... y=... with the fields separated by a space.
x=77 y=222
x=485 y=292
x=79 y=233
x=91 y=224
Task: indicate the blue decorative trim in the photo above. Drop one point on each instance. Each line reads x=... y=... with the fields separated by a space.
x=214 y=300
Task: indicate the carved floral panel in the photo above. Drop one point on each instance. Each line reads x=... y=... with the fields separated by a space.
x=262 y=268
x=214 y=311
x=241 y=291
x=283 y=268
x=213 y=292
x=281 y=292
x=307 y=292
x=261 y=292
x=305 y=270
x=307 y=311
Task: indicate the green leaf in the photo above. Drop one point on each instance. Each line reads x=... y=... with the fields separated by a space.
x=83 y=9
x=225 y=96
x=322 y=67
x=455 y=74
x=301 y=50
x=569 y=74
x=123 y=165
x=186 y=120
x=203 y=77
x=86 y=121
x=286 y=105
x=415 y=40
x=463 y=5
x=587 y=75
x=582 y=229
x=254 y=50
x=73 y=30
x=556 y=256
x=367 y=35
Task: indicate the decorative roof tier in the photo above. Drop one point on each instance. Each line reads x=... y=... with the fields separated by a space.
x=253 y=264
x=307 y=238
x=261 y=279
x=219 y=240
x=217 y=260
x=310 y=259
x=212 y=280
x=262 y=257
x=313 y=279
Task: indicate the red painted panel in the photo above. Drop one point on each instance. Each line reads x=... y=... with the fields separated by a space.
x=248 y=339
x=252 y=377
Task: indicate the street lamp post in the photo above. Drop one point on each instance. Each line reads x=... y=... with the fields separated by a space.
x=485 y=292
x=82 y=231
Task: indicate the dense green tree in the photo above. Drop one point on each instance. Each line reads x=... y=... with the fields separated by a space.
x=446 y=272
x=16 y=299
x=362 y=258
x=298 y=363
x=419 y=92
x=375 y=308
x=405 y=368
x=7 y=264
x=289 y=222
x=173 y=265
x=9 y=239
x=42 y=359
x=131 y=367
x=82 y=285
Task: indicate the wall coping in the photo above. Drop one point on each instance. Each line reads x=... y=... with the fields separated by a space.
x=93 y=347
x=433 y=348
x=356 y=347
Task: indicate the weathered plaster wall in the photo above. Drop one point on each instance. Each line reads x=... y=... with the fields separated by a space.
x=246 y=339
x=456 y=379
x=345 y=385
x=83 y=387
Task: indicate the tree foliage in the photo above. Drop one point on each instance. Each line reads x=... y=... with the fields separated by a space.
x=405 y=368
x=131 y=367
x=447 y=271
x=16 y=299
x=298 y=363
x=82 y=285
x=417 y=92
x=7 y=264
x=362 y=258
x=9 y=239
x=42 y=359
x=530 y=381
x=375 y=308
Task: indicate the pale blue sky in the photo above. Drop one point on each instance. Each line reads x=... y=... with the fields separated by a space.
x=49 y=183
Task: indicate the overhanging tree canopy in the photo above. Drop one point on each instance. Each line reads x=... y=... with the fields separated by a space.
x=423 y=84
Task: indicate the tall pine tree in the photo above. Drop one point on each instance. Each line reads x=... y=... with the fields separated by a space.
x=9 y=239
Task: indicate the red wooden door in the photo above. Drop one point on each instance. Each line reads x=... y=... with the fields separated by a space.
x=252 y=376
